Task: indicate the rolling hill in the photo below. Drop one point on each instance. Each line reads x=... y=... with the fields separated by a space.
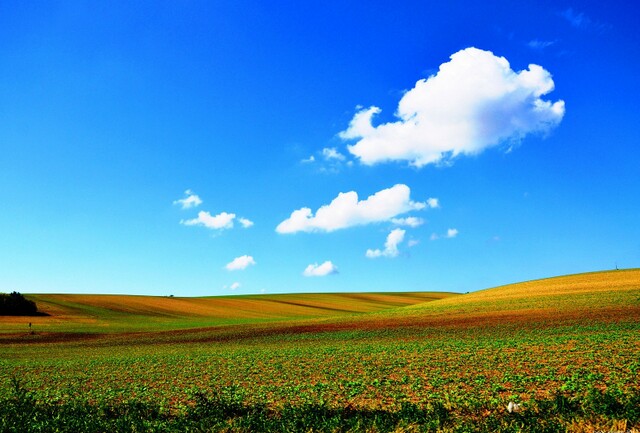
x=104 y=313
x=604 y=297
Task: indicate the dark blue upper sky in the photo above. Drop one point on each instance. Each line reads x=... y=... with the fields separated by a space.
x=110 y=113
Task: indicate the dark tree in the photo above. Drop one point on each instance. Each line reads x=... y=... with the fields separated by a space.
x=14 y=304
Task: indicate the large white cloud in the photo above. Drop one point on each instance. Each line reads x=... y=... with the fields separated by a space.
x=315 y=270
x=390 y=246
x=240 y=263
x=346 y=211
x=475 y=101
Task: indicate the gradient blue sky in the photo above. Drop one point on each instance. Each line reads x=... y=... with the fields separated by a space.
x=110 y=111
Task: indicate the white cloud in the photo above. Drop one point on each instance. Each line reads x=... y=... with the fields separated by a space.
x=412 y=243
x=408 y=221
x=232 y=286
x=221 y=221
x=433 y=203
x=191 y=200
x=474 y=102
x=330 y=153
x=346 y=211
x=451 y=233
x=390 y=246
x=308 y=160
x=315 y=270
x=246 y=223
x=240 y=263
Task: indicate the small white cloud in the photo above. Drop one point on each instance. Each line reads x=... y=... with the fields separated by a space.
x=308 y=160
x=451 y=233
x=390 y=246
x=475 y=101
x=191 y=200
x=315 y=270
x=246 y=223
x=232 y=286
x=240 y=263
x=409 y=221
x=346 y=211
x=433 y=203
x=221 y=221
x=330 y=153
x=412 y=243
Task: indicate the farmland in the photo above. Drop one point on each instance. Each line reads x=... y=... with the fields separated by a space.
x=565 y=349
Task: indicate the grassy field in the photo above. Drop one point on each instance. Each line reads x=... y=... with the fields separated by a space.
x=121 y=313
x=565 y=349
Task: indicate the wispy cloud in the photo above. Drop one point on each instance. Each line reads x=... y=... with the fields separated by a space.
x=390 y=246
x=315 y=270
x=475 y=101
x=539 y=45
x=577 y=20
x=191 y=200
x=240 y=263
x=347 y=211
x=450 y=234
x=232 y=286
x=580 y=20
x=308 y=160
x=412 y=222
x=329 y=160
x=330 y=153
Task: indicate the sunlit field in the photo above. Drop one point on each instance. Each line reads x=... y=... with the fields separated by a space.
x=564 y=351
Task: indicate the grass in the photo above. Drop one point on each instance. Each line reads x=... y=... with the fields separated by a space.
x=566 y=349
x=226 y=411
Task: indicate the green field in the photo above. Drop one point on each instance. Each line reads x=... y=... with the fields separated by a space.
x=566 y=349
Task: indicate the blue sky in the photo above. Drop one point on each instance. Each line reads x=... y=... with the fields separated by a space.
x=443 y=160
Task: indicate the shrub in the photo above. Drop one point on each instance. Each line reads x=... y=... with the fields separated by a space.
x=15 y=304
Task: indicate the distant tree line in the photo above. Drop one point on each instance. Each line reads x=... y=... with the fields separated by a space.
x=15 y=304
